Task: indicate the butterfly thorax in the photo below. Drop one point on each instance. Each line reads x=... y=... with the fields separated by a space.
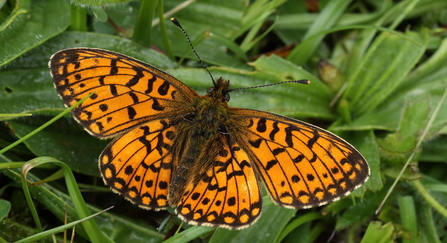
x=210 y=111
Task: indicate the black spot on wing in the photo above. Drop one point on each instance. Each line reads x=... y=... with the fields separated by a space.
x=261 y=126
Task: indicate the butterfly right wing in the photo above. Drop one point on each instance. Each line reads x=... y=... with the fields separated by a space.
x=126 y=92
x=302 y=165
x=139 y=164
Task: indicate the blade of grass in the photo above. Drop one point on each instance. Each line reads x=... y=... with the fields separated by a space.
x=44 y=125
x=189 y=234
x=368 y=87
x=408 y=218
x=248 y=43
x=298 y=222
x=78 y=18
x=61 y=228
x=143 y=29
x=238 y=51
x=164 y=33
x=5 y=117
x=328 y=17
x=429 y=198
x=427 y=68
x=172 y=11
x=428 y=228
x=90 y=226
x=58 y=203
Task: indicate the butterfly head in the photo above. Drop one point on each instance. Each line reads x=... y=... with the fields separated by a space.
x=220 y=90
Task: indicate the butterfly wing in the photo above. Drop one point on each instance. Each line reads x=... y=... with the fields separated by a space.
x=301 y=165
x=126 y=92
x=227 y=194
x=139 y=164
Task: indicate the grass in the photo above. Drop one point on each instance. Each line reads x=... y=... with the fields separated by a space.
x=382 y=87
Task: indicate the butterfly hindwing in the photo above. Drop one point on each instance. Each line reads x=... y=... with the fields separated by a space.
x=126 y=92
x=139 y=164
x=227 y=194
x=301 y=165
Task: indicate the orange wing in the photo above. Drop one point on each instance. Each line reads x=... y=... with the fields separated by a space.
x=227 y=194
x=139 y=164
x=301 y=165
x=127 y=92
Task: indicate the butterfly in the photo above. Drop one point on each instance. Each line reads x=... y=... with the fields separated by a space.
x=175 y=148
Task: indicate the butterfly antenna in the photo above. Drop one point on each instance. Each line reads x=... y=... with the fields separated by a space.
x=302 y=81
x=175 y=21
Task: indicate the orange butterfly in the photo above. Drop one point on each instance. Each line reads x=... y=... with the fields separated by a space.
x=176 y=148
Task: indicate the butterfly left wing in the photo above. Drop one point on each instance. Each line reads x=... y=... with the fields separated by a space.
x=301 y=165
x=139 y=164
x=227 y=193
x=126 y=91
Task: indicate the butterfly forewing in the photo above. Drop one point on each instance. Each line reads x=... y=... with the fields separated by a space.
x=227 y=194
x=126 y=92
x=301 y=165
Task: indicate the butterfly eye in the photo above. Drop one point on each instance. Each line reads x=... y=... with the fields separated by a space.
x=227 y=97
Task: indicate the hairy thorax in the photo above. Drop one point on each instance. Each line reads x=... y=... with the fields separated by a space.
x=209 y=117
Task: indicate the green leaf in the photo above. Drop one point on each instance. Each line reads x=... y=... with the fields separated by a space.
x=374 y=81
x=23 y=34
x=65 y=140
x=5 y=208
x=412 y=123
x=388 y=115
x=378 y=233
x=312 y=99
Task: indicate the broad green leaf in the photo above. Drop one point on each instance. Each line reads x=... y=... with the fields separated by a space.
x=374 y=80
x=313 y=99
x=35 y=23
x=64 y=140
